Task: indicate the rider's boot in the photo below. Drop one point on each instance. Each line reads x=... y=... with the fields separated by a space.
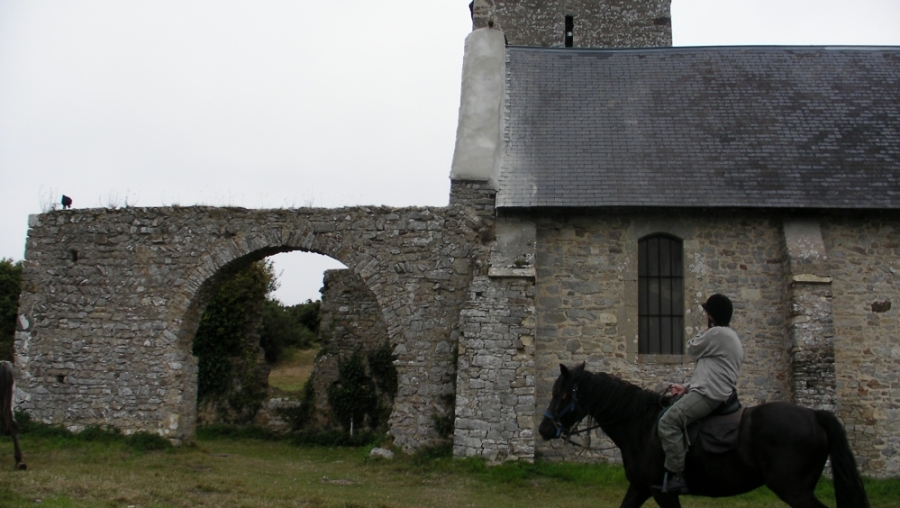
x=673 y=484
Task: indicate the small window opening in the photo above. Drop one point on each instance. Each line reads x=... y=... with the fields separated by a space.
x=74 y=254
x=570 y=30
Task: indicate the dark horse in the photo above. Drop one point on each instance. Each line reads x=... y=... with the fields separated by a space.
x=8 y=423
x=780 y=445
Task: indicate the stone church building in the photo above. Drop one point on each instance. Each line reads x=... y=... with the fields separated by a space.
x=635 y=180
x=604 y=184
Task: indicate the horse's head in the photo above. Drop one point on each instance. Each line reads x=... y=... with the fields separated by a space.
x=563 y=411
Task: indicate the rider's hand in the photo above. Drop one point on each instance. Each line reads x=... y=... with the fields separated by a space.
x=677 y=390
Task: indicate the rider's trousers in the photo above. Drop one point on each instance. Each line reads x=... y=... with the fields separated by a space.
x=689 y=408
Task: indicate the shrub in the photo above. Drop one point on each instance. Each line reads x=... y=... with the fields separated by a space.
x=284 y=327
x=353 y=398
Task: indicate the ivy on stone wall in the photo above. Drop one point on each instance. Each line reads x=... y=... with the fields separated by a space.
x=365 y=391
x=352 y=397
x=384 y=373
x=232 y=376
x=10 y=286
x=300 y=415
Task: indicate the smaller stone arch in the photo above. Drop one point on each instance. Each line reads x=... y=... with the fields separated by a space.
x=235 y=251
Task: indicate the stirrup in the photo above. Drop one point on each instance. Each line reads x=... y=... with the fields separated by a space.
x=673 y=484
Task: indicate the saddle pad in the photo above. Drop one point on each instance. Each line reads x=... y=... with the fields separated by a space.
x=715 y=434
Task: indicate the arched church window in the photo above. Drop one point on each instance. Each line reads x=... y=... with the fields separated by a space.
x=660 y=295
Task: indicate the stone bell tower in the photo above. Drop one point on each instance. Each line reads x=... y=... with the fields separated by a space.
x=578 y=23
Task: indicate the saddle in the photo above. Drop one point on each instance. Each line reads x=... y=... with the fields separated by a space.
x=718 y=431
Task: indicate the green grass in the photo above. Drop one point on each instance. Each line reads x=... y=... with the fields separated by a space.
x=232 y=470
x=292 y=372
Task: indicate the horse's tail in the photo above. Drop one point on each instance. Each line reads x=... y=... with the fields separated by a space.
x=849 y=491
x=8 y=423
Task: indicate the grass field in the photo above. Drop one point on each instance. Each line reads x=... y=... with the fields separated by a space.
x=292 y=372
x=73 y=472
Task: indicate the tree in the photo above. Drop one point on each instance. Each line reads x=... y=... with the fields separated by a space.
x=232 y=376
x=283 y=327
x=307 y=315
x=10 y=287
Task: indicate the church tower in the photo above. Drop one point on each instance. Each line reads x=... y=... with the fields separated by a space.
x=578 y=23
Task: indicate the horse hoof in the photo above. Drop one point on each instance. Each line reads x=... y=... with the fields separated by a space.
x=21 y=466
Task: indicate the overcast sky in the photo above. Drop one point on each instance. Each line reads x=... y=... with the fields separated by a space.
x=273 y=104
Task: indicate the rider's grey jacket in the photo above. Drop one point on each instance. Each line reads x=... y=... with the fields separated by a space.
x=719 y=354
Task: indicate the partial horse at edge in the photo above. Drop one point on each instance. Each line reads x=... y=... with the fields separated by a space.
x=8 y=424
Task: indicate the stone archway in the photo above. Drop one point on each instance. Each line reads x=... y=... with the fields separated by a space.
x=111 y=300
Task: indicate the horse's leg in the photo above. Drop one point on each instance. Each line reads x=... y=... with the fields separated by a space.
x=793 y=477
x=635 y=496
x=20 y=465
x=797 y=490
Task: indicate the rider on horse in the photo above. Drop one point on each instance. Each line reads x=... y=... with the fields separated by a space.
x=718 y=353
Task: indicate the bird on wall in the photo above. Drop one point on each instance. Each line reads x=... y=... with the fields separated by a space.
x=66 y=202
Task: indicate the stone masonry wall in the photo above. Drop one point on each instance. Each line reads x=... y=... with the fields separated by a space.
x=478 y=196
x=112 y=298
x=864 y=260
x=606 y=24
x=586 y=298
x=814 y=307
x=495 y=387
x=350 y=322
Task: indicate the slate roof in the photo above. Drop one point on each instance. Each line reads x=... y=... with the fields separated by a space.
x=783 y=127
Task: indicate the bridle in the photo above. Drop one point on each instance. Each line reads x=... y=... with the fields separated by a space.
x=555 y=418
x=561 y=431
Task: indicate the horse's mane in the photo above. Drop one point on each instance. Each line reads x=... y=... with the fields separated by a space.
x=7 y=421
x=613 y=401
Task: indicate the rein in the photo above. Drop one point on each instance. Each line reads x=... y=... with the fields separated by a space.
x=586 y=443
x=566 y=434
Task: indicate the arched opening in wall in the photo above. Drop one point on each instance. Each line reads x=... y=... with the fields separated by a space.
x=294 y=342
x=291 y=324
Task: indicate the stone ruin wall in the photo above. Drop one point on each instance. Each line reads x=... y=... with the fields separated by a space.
x=495 y=400
x=111 y=300
x=350 y=322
